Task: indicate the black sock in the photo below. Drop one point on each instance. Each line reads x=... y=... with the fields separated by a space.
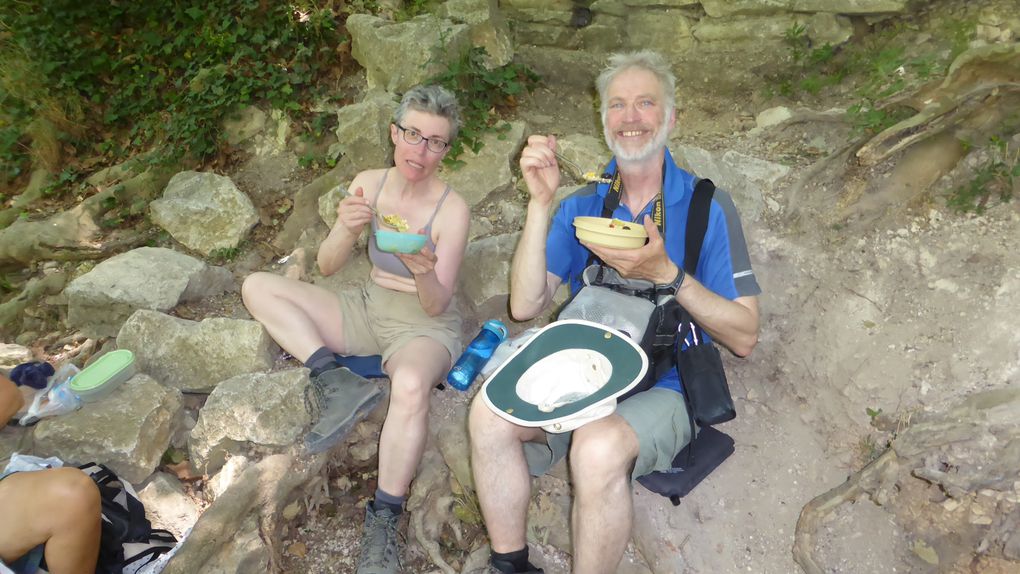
x=321 y=360
x=383 y=499
x=518 y=559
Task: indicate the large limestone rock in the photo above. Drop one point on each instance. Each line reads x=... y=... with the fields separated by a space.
x=487 y=171
x=145 y=278
x=127 y=430
x=12 y=355
x=363 y=130
x=725 y=8
x=195 y=357
x=583 y=153
x=486 y=270
x=397 y=56
x=737 y=31
x=746 y=178
x=166 y=504
x=204 y=211
x=668 y=30
x=264 y=411
x=488 y=27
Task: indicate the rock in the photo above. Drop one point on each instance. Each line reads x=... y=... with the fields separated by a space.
x=195 y=357
x=243 y=124
x=487 y=171
x=328 y=203
x=668 y=30
x=487 y=25
x=561 y=68
x=166 y=504
x=12 y=355
x=773 y=116
x=145 y=278
x=363 y=130
x=381 y=47
x=486 y=270
x=744 y=177
x=204 y=211
x=128 y=430
x=739 y=31
x=231 y=471
x=255 y=410
x=727 y=8
x=604 y=34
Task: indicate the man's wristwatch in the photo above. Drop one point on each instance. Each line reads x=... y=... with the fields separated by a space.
x=673 y=285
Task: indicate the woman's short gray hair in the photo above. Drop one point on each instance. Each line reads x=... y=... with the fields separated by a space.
x=435 y=100
x=643 y=60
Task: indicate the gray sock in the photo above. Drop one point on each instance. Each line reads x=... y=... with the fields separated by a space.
x=383 y=499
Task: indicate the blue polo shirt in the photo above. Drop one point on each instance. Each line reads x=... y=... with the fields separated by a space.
x=567 y=258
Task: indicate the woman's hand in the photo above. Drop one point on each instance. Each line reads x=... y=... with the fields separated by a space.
x=421 y=263
x=354 y=212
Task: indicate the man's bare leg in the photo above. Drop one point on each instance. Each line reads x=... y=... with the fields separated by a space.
x=59 y=508
x=501 y=475
x=602 y=455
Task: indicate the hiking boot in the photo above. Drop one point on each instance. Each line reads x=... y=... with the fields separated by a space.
x=336 y=399
x=379 y=552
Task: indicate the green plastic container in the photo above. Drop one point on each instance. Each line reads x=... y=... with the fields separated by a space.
x=103 y=376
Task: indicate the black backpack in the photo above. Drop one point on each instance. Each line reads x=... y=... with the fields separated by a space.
x=128 y=542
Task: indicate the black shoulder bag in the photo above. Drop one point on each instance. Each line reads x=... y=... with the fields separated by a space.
x=678 y=339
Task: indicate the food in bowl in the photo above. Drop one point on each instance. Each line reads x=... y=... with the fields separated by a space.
x=399 y=242
x=396 y=222
x=607 y=232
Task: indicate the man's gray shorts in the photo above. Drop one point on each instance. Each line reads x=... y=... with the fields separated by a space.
x=658 y=417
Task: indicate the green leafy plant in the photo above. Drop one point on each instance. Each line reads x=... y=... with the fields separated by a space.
x=482 y=94
x=159 y=75
x=998 y=176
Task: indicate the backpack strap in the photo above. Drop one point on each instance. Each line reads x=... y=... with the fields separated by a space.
x=697 y=223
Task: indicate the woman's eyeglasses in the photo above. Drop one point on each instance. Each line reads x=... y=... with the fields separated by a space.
x=414 y=137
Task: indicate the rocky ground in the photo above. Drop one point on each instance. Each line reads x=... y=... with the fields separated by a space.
x=881 y=309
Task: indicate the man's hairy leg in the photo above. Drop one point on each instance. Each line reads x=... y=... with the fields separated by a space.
x=501 y=475
x=602 y=455
x=59 y=508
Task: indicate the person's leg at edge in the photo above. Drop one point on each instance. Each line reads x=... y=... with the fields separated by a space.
x=602 y=456
x=302 y=318
x=59 y=508
x=501 y=475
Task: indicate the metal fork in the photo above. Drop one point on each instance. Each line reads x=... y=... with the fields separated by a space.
x=580 y=172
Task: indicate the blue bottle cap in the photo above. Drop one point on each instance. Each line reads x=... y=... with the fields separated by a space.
x=497 y=327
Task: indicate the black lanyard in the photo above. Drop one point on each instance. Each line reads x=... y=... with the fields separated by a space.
x=612 y=201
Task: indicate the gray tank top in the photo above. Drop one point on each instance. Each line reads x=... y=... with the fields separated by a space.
x=388 y=261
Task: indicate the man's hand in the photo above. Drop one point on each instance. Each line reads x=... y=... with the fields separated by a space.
x=354 y=212
x=649 y=262
x=540 y=169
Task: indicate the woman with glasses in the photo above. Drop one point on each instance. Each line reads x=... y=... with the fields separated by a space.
x=402 y=313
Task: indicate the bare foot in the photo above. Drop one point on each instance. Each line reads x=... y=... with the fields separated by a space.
x=294 y=266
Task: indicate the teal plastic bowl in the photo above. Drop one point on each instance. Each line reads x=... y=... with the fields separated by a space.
x=396 y=242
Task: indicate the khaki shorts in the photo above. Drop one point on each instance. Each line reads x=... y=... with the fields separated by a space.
x=658 y=417
x=379 y=321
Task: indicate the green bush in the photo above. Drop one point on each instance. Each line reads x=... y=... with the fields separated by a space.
x=162 y=74
x=481 y=92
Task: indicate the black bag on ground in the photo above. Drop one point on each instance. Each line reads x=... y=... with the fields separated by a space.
x=128 y=541
x=713 y=447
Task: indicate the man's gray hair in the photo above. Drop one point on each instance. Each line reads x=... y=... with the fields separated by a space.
x=435 y=100
x=642 y=60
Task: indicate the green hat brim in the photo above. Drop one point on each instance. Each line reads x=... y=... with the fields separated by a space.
x=628 y=360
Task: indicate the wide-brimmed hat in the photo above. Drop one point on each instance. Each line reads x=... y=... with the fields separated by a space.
x=568 y=374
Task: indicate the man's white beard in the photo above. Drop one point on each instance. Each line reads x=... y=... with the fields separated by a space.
x=645 y=152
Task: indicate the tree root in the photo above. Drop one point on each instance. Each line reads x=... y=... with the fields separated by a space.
x=975 y=75
x=37 y=288
x=815 y=512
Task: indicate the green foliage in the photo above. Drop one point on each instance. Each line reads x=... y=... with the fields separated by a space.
x=482 y=94
x=163 y=74
x=872 y=413
x=225 y=254
x=999 y=177
x=412 y=8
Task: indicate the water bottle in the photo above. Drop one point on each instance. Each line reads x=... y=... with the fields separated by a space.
x=476 y=355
